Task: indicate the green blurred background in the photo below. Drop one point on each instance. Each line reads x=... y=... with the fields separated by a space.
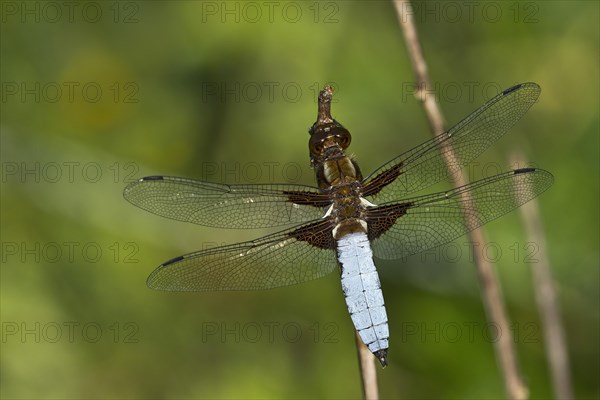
x=97 y=94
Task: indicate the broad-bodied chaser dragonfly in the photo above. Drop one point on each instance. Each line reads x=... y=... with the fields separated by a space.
x=347 y=219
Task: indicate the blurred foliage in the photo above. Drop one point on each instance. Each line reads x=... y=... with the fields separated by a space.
x=96 y=94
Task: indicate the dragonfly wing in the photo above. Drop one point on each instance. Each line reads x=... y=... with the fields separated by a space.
x=227 y=206
x=286 y=258
x=401 y=229
x=425 y=164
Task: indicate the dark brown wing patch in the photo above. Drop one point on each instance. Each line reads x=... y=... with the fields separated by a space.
x=382 y=180
x=308 y=199
x=318 y=234
x=380 y=219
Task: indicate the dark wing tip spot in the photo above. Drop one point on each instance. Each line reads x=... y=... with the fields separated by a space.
x=512 y=89
x=524 y=170
x=152 y=178
x=172 y=261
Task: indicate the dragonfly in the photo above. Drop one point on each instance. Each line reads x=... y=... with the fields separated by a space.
x=346 y=220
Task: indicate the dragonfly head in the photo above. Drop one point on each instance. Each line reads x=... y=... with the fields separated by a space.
x=327 y=135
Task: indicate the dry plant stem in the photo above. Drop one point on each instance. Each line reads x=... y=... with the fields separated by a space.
x=490 y=288
x=368 y=370
x=545 y=293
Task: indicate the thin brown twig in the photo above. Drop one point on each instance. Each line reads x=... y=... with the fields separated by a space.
x=368 y=370
x=490 y=288
x=545 y=294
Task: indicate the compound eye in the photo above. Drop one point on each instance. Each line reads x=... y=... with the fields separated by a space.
x=315 y=144
x=343 y=138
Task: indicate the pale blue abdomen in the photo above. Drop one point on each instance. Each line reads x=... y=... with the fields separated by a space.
x=362 y=290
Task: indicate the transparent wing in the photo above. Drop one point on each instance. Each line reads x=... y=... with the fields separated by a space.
x=226 y=206
x=286 y=258
x=424 y=165
x=428 y=221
